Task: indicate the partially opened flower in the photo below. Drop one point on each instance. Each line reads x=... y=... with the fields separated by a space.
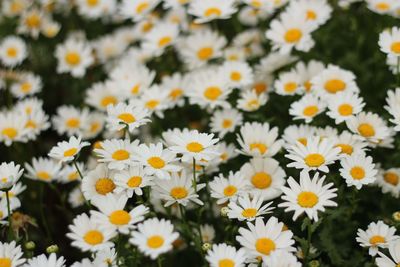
x=9 y=175
x=67 y=151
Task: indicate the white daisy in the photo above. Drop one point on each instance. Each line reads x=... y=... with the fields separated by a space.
x=308 y=107
x=207 y=10
x=223 y=255
x=368 y=126
x=389 y=181
x=344 y=105
x=225 y=121
x=67 y=151
x=43 y=260
x=117 y=153
x=394 y=251
x=248 y=209
x=43 y=169
x=251 y=101
x=11 y=254
x=133 y=180
x=98 y=182
x=358 y=170
x=122 y=115
x=230 y=188
x=12 y=51
x=9 y=174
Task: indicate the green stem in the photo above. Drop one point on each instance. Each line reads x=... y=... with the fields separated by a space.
x=194 y=182
x=10 y=230
x=77 y=169
x=42 y=215
x=159 y=262
x=309 y=235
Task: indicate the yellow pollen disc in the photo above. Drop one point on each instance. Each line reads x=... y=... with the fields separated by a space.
x=346 y=149
x=249 y=213
x=152 y=104
x=72 y=58
x=261 y=147
x=16 y=7
x=107 y=100
x=357 y=173
x=155 y=241
x=236 y=76
x=126 y=117
x=134 y=181
x=94 y=127
x=194 y=147
x=92 y=3
x=335 y=85
x=345 y=110
x=391 y=178
x=311 y=15
x=104 y=186
x=227 y=123
x=156 y=162
x=73 y=176
x=5 y=262
x=303 y=140
x=135 y=89
x=256 y=3
x=178 y=192
x=10 y=132
x=224 y=156
x=121 y=154
x=314 y=160
x=212 y=11
x=26 y=87
x=147 y=26
x=261 y=180
x=97 y=145
x=73 y=123
x=366 y=130
x=120 y=217
x=33 y=21
x=310 y=111
x=376 y=239
x=70 y=152
x=290 y=87
x=265 y=246
x=164 y=41
x=293 y=35
x=395 y=47
x=260 y=87
x=142 y=7
x=176 y=93
x=226 y=263
x=307 y=199
x=4 y=180
x=382 y=6
x=12 y=52
x=253 y=103
x=307 y=86
x=230 y=190
x=43 y=175
x=212 y=93
x=93 y=237
x=205 y=53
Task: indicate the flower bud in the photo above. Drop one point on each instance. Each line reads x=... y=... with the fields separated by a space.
x=206 y=246
x=30 y=245
x=52 y=249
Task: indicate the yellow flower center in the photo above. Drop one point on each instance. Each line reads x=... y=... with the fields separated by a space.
x=212 y=11
x=260 y=87
x=26 y=87
x=155 y=241
x=391 y=178
x=72 y=58
x=107 y=100
x=205 y=53
x=261 y=180
x=12 y=52
x=310 y=111
x=307 y=86
x=73 y=176
x=262 y=148
x=142 y=7
x=293 y=35
x=127 y=118
x=134 y=181
x=135 y=89
x=120 y=217
x=357 y=173
x=73 y=123
x=366 y=130
x=265 y=246
x=335 y=85
x=314 y=160
x=249 y=213
x=156 y=162
x=382 y=6
x=346 y=149
x=92 y=3
x=307 y=199
x=164 y=41
x=226 y=263
x=194 y=147
x=227 y=123
x=345 y=110
x=175 y=93
x=303 y=140
x=376 y=239
x=93 y=237
x=104 y=186
x=230 y=190
x=290 y=87
x=70 y=152
x=121 y=154
x=212 y=93
x=33 y=21
x=43 y=175
x=236 y=76
x=152 y=104
x=10 y=132
x=178 y=192
x=311 y=15
x=5 y=262
x=395 y=47
x=256 y=3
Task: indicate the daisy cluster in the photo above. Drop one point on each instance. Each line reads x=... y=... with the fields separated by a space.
x=204 y=132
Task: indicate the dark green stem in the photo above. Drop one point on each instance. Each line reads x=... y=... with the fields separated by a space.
x=10 y=230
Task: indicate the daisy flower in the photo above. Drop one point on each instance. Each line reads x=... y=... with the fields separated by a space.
x=12 y=51
x=344 y=105
x=9 y=174
x=154 y=99
x=76 y=198
x=98 y=182
x=393 y=102
x=117 y=153
x=239 y=73
x=122 y=115
x=43 y=260
x=154 y=237
x=290 y=32
x=368 y=126
x=133 y=180
x=95 y=122
x=265 y=239
x=105 y=258
x=102 y=94
x=113 y=216
x=266 y=177
x=382 y=6
x=358 y=170
x=230 y=188
x=284 y=258
x=31 y=21
x=251 y=101
x=308 y=107
x=87 y=235
x=13 y=127
x=178 y=189
x=207 y=233
x=288 y=83
x=389 y=181
x=207 y=10
x=137 y=10
x=157 y=161
x=43 y=169
x=29 y=84
x=160 y=37
x=227 y=151
x=11 y=254
x=259 y=140
x=316 y=155
x=308 y=71
x=67 y=151
x=91 y=9
x=74 y=56
x=225 y=121
x=298 y=133
x=394 y=251
x=176 y=85
x=378 y=235
x=309 y=196
x=224 y=255
x=349 y=143
x=70 y=120
x=13 y=193
x=316 y=12
x=248 y=209
x=389 y=42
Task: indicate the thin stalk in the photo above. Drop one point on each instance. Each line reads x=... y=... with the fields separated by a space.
x=10 y=230
x=159 y=262
x=307 y=251
x=398 y=71
x=194 y=182
x=77 y=169
x=42 y=215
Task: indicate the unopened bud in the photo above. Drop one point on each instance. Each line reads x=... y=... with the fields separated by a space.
x=224 y=211
x=314 y=263
x=206 y=246
x=52 y=249
x=30 y=245
x=396 y=216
